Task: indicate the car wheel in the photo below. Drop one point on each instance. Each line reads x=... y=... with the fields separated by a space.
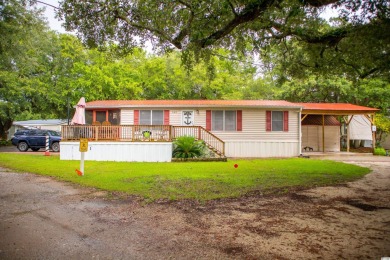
x=22 y=146
x=55 y=147
x=35 y=149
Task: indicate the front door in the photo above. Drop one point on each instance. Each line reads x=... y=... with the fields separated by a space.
x=187 y=118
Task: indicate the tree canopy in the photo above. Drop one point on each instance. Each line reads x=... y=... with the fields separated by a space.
x=21 y=45
x=200 y=24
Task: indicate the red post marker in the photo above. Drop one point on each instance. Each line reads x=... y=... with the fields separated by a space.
x=79 y=173
x=236 y=165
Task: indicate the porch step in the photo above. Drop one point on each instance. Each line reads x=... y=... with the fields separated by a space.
x=217 y=152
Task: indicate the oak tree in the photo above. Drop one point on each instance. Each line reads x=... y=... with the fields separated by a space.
x=200 y=25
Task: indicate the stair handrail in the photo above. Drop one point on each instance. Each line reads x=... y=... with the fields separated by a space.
x=201 y=133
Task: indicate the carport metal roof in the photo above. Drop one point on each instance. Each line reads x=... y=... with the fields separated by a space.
x=341 y=109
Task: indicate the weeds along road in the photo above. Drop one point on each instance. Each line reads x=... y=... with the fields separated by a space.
x=41 y=218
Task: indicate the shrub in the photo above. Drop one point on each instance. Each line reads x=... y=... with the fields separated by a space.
x=5 y=142
x=187 y=147
x=380 y=151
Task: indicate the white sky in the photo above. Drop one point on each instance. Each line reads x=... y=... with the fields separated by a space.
x=54 y=23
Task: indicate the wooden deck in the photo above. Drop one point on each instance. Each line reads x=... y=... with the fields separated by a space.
x=142 y=133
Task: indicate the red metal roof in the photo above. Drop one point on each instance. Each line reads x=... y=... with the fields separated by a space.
x=191 y=103
x=308 y=108
x=317 y=120
x=336 y=107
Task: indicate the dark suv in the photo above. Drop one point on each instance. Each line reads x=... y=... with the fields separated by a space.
x=36 y=139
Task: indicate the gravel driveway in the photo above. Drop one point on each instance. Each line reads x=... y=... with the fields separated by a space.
x=47 y=219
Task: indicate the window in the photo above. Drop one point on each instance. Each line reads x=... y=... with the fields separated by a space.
x=222 y=120
x=112 y=116
x=145 y=117
x=157 y=117
x=100 y=116
x=277 y=120
x=151 y=117
x=217 y=120
x=230 y=120
x=88 y=117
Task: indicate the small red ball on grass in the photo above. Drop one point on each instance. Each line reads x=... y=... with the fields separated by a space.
x=236 y=165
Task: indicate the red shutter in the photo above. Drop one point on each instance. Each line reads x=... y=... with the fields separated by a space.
x=268 y=125
x=166 y=117
x=285 y=121
x=239 y=120
x=136 y=117
x=208 y=120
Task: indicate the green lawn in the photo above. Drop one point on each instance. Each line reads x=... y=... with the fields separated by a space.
x=191 y=180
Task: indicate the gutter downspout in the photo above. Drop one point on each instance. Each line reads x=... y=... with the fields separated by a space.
x=300 y=131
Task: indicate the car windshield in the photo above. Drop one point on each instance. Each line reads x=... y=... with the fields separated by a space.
x=54 y=133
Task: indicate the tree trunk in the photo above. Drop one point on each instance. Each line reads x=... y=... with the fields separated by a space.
x=4 y=127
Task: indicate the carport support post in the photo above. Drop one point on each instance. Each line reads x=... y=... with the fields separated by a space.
x=323 y=133
x=347 y=137
x=373 y=132
x=348 y=121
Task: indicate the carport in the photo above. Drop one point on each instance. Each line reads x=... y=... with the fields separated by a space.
x=347 y=111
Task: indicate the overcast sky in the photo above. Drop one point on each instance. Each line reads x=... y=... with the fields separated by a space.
x=49 y=13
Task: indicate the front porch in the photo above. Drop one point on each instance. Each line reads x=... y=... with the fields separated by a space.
x=132 y=142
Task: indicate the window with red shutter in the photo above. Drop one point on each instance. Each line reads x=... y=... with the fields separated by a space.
x=136 y=117
x=285 y=121
x=239 y=120
x=208 y=120
x=166 y=117
x=268 y=123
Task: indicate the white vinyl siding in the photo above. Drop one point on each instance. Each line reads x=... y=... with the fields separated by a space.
x=253 y=140
x=127 y=116
x=254 y=127
x=175 y=117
